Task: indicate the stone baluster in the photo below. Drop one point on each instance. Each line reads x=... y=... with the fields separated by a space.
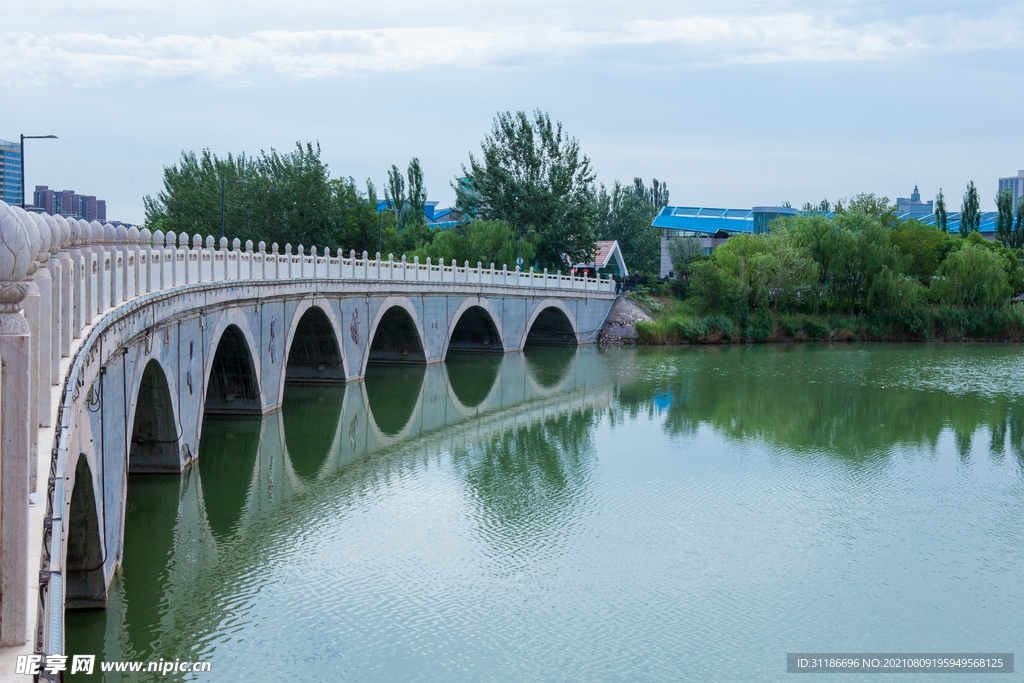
x=121 y=263
x=366 y=265
x=66 y=287
x=102 y=285
x=77 y=291
x=145 y=261
x=132 y=263
x=83 y=315
x=243 y=270
x=181 y=256
x=195 y=259
x=30 y=305
x=43 y=338
x=52 y=361
x=302 y=263
x=232 y=259
x=260 y=269
x=206 y=261
x=16 y=450
x=158 y=258
x=115 y=279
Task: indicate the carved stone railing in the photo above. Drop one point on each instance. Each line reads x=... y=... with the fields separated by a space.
x=58 y=275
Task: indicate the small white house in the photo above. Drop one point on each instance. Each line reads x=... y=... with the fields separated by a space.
x=608 y=255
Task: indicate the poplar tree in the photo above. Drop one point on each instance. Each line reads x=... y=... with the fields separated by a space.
x=941 y=218
x=1004 y=217
x=970 y=215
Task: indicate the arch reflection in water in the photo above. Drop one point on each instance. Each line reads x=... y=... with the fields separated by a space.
x=548 y=365
x=393 y=392
x=311 y=416
x=197 y=544
x=473 y=376
x=228 y=453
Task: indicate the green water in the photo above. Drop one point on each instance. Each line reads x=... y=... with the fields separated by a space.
x=650 y=515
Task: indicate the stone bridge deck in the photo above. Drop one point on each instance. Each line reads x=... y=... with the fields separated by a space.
x=141 y=336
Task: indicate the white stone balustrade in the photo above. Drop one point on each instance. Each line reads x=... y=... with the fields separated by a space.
x=58 y=275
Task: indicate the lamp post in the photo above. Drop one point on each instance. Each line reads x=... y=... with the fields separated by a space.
x=23 y=138
x=222 y=183
x=519 y=261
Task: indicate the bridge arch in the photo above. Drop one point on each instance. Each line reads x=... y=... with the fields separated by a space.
x=232 y=373
x=155 y=438
x=313 y=352
x=85 y=558
x=474 y=326
x=396 y=334
x=551 y=323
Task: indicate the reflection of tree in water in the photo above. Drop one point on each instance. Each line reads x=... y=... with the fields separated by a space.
x=227 y=457
x=527 y=483
x=472 y=375
x=799 y=399
x=548 y=365
x=310 y=415
x=392 y=392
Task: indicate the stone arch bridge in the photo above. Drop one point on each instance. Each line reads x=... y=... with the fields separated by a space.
x=143 y=335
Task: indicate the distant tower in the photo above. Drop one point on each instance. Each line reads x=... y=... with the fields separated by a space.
x=914 y=205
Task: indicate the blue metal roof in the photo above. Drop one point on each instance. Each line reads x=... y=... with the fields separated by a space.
x=737 y=221
x=705 y=220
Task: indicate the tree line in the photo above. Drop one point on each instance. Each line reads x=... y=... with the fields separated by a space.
x=531 y=191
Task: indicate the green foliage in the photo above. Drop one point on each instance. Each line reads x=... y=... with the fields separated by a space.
x=287 y=198
x=941 y=217
x=532 y=175
x=925 y=246
x=626 y=215
x=483 y=242
x=972 y=276
x=1004 y=219
x=970 y=213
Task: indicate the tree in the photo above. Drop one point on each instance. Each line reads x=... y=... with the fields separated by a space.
x=1018 y=226
x=683 y=250
x=626 y=215
x=925 y=246
x=286 y=197
x=394 y=194
x=941 y=217
x=973 y=276
x=534 y=176
x=1004 y=217
x=417 y=193
x=970 y=215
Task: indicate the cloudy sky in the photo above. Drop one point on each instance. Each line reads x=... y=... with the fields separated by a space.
x=733 y=104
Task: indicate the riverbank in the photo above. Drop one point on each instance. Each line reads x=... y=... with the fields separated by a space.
x=675 y=322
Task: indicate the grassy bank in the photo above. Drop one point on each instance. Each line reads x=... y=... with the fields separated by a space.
x=676 y=322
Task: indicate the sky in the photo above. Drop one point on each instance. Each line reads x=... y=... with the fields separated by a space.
x=732 y=104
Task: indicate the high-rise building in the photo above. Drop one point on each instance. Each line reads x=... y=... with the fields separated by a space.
x=10 y=171
x=1015 y=184
x=67 y=203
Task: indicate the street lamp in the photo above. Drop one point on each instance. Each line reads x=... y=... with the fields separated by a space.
x=519 y=261
x=23 y=138
x=222 y=183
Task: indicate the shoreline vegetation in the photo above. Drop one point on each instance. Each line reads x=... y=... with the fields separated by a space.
x=859 y=273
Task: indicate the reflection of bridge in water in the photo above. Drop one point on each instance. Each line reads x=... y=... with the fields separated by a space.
x=239 y=503
x=321 y=431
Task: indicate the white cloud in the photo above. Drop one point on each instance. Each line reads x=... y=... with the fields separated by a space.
x=87 y=59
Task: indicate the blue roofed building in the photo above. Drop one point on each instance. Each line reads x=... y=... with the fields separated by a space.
x=435 y=217
x=714 y=226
